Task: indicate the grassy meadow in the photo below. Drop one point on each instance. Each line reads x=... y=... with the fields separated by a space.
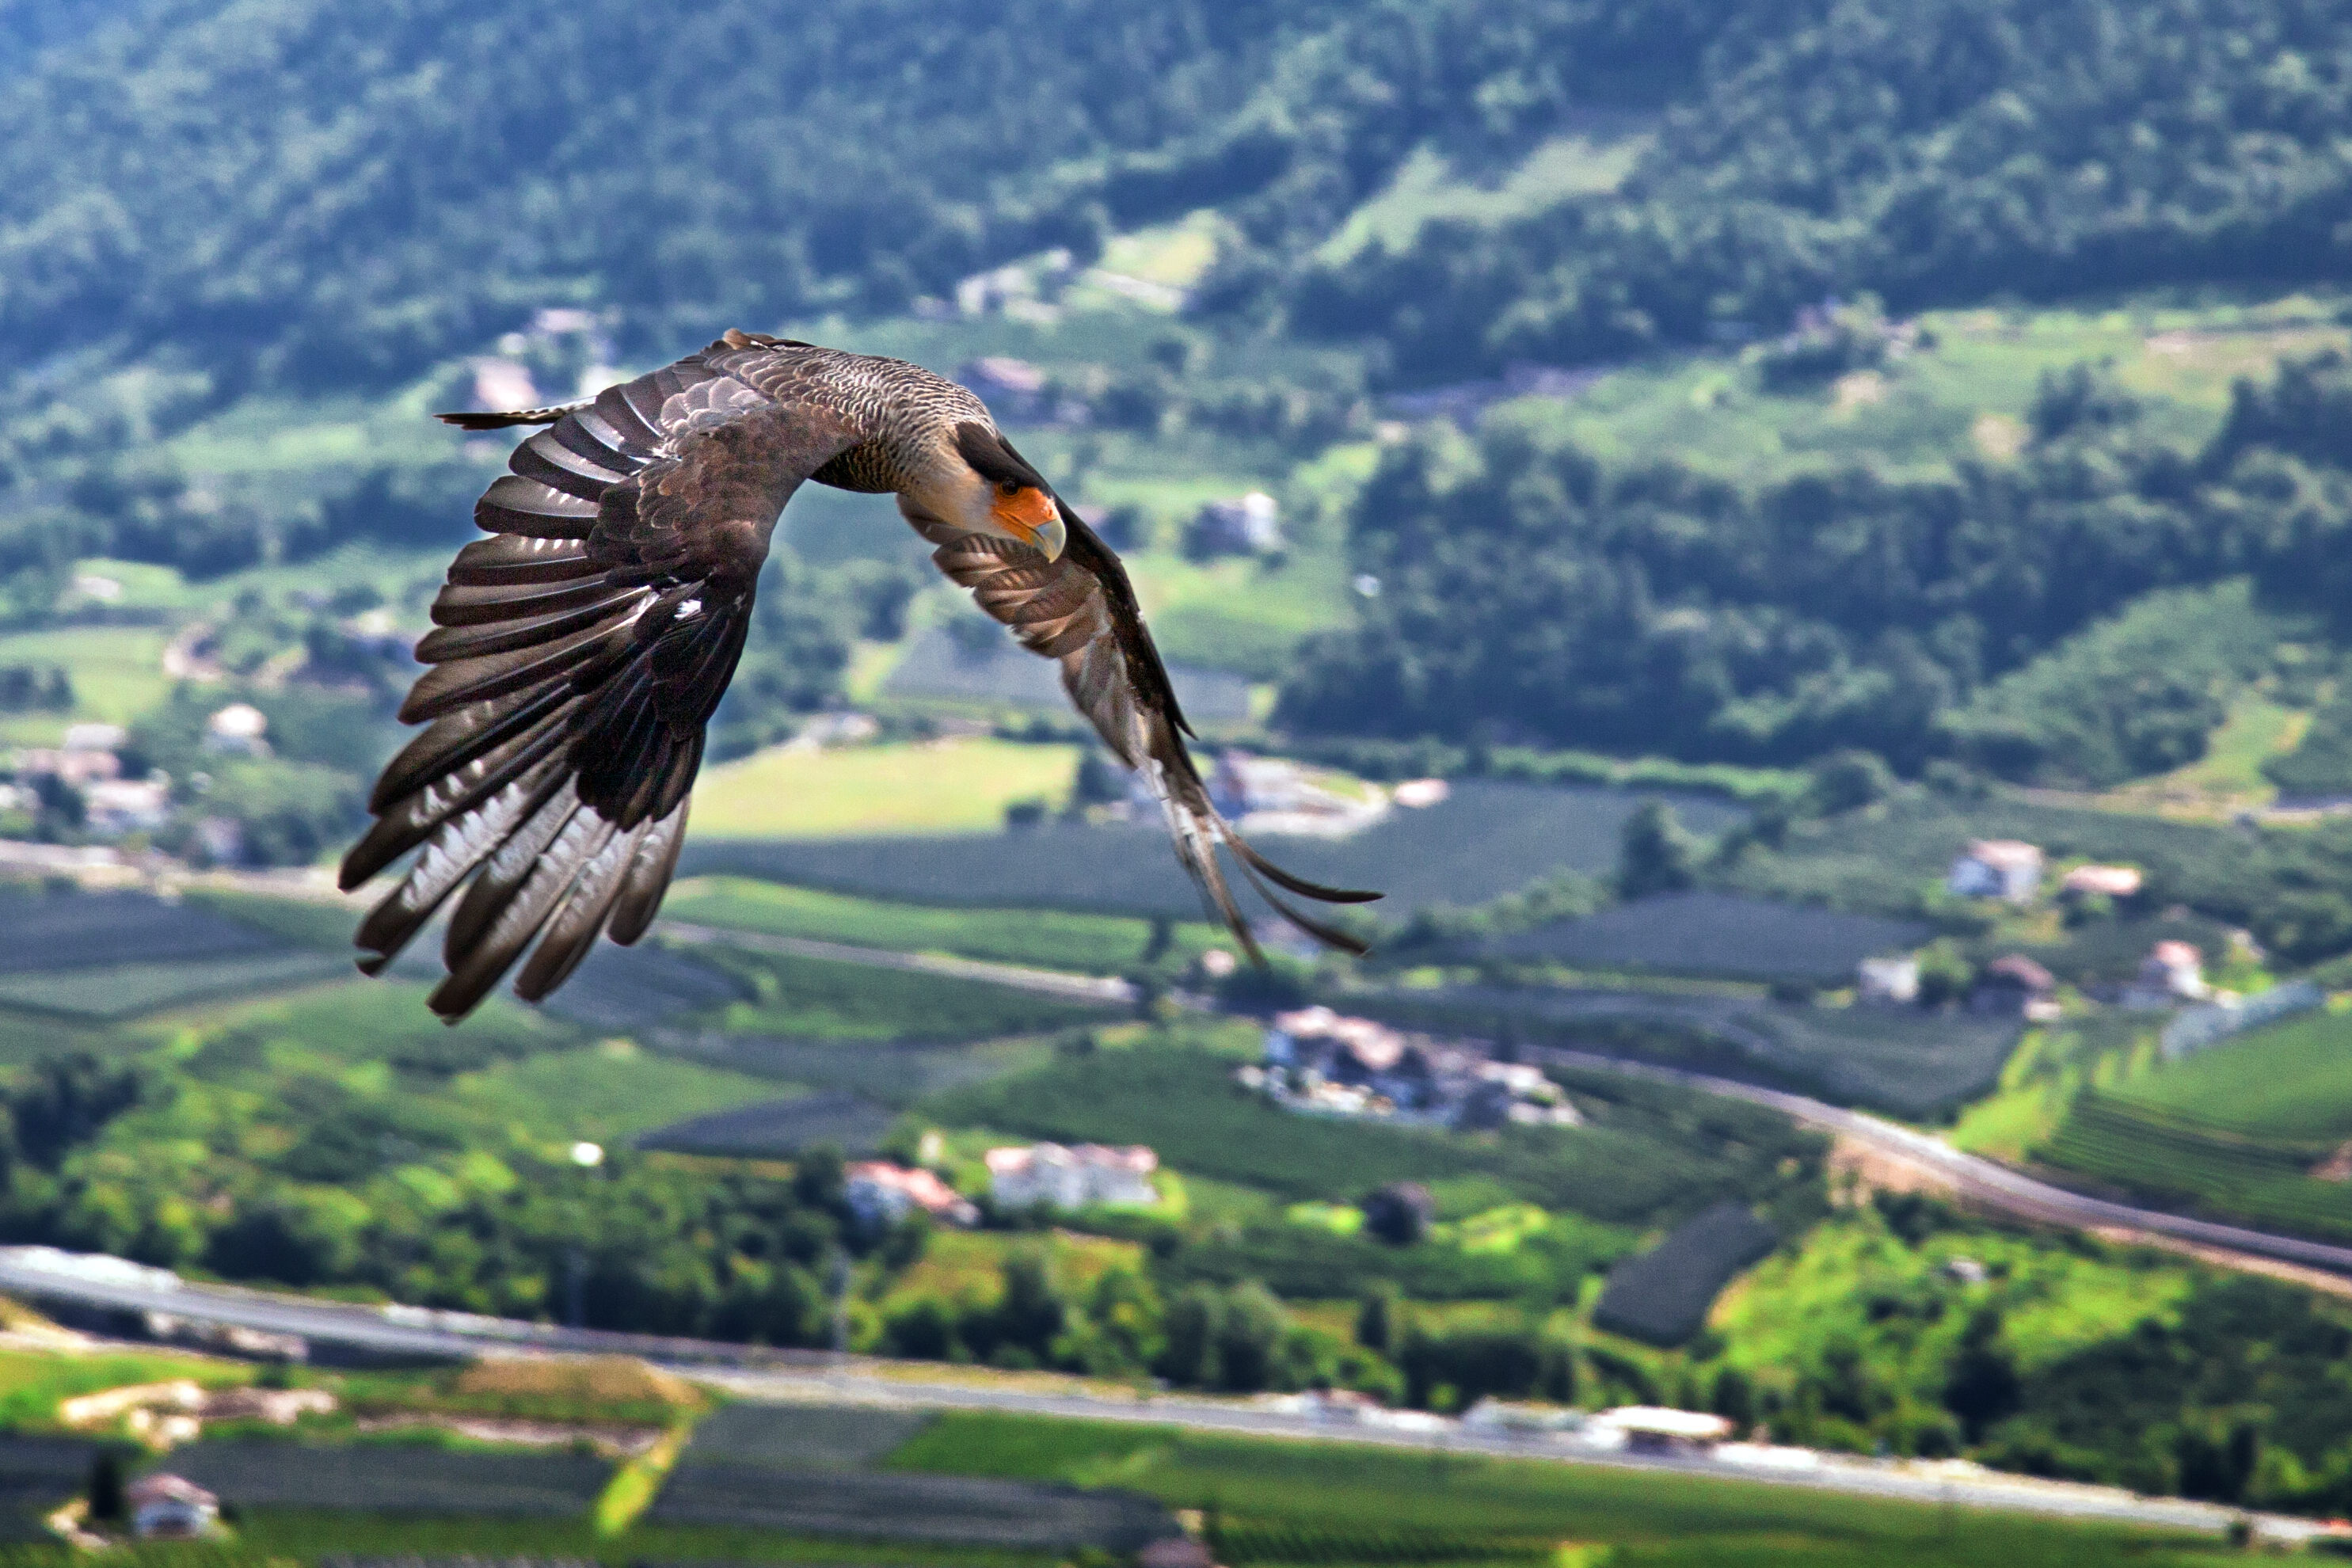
x=1335 y=1494
x=1043 y=939
x=942 y=786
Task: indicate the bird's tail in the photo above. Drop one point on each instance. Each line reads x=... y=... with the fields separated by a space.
x=518 y=416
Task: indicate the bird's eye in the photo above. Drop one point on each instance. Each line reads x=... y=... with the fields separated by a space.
x=1010 y=487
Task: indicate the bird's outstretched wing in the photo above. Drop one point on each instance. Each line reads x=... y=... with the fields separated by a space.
x=1081 y=611
x=577 y=655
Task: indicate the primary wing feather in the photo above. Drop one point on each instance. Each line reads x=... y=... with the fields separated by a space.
x=578 y=654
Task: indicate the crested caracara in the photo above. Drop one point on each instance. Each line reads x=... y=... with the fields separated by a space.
x=579 y=651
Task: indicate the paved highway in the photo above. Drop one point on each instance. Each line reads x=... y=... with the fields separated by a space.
x=82 y=1285
x=1944 y=1484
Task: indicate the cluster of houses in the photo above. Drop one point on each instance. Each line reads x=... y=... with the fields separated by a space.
x=1080 y=1176
x=1321 y=1063
x=1085 y=1175
x=87 y=765
x=2014 y=985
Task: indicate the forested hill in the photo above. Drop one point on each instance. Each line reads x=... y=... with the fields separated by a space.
x=1934 y=151
x=334 y=192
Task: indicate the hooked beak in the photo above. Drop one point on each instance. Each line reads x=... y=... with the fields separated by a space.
x=1035 y=518
x=1050 y=537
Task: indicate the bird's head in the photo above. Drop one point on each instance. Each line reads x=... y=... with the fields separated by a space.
x=1000 y=493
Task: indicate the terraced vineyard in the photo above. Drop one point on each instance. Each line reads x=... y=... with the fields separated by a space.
x=2180 y=1160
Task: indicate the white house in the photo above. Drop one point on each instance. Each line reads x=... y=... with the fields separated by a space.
x=116 y=807
x=168 y=1507
x=1893 y=980
x=1997 y=869
x=2172 y=972
x=238 y=730
x=1248 y=525
x=1073 y=1178
x=2105 y=881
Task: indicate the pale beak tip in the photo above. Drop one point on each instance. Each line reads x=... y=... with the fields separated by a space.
x=1051 y=538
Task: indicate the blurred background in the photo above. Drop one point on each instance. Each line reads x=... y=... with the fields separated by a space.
x=1807 y=541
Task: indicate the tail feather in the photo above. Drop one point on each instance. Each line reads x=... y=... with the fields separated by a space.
x=480 y=421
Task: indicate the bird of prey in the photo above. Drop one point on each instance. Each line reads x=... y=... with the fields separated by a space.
x=579 y=651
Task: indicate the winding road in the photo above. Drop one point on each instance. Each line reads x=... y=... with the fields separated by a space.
x=1983 y=1181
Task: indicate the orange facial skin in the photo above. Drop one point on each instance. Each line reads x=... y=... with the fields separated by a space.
x=1024 y=511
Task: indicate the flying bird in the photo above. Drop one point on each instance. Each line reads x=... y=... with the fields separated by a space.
x=579 y=651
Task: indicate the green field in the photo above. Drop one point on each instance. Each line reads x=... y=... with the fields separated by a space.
x=1846 y=1279
x=356 y=1021
x=107 y=992
x=1323 y=1491
x=1963 y=399
x=118 y=671
x=947 y=787
x=815 y=998
x=2292 y=1081
x=2236 y=1130
x=2215 y=1167
x=1041 y=939
x=606 y=1092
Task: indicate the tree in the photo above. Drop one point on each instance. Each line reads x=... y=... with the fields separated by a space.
x=817 y=1180
x=1848 y=780
x=1983 y=1385
x=1399 y=1213
x=1249 y=1339
x=1375 y=1319
x=105 y=1491
x=1734 y=1398
x=1657 y=854
x=1194 y=1328
x=1032 y=1312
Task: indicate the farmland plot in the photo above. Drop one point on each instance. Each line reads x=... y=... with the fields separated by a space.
x=112 y=990
x=777 y=1129
x=1648 y=1153
x=1488 y=839
x=2176 y=1159
x=1038 y=938
x=36 y=1474
x=394 y=1479
x=962 y=1510
x=44 y=932
x=886 y=1073
x=1719 y=933
x=799 y=1437
x=1663 y=1295
x=624 y=988
x=826 y=999
x=104 y=956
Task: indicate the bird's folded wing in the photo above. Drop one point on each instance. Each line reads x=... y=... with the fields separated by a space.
x=1081 y=611
x=578 y=654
